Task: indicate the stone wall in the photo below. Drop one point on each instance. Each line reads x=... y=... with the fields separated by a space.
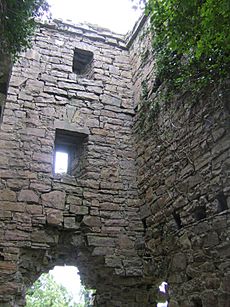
x=183 y=179
x=90 y=219
x=141 y=205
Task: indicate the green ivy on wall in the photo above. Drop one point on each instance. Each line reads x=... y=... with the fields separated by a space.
x=191 y=40
x=191 y=46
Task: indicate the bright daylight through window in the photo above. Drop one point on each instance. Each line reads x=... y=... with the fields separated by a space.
x=61 y=162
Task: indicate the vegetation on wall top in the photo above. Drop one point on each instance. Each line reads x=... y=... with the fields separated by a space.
x=191 y=40
x=191 y=46
x=17 y=23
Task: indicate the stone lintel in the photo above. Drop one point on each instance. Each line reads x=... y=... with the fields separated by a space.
x=64 y=125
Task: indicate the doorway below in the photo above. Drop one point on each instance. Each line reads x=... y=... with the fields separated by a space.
x=61 y=286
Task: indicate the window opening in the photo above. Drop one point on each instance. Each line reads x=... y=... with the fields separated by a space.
x=82 y=63
x=68 y=150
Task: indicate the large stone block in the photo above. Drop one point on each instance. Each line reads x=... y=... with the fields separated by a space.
x=54 y=199
x=79 y=210
x=92 y=221
x=100 y=241
x=28 y=196
x=70 y=222
x=8 y=195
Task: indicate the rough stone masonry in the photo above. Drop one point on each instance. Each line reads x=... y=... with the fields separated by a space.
x=133 y=210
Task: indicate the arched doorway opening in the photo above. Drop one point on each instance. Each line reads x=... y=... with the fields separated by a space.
x=61 y=286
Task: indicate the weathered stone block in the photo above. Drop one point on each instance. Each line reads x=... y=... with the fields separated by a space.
x=42 y=157
x=112 y=261
x=102 y=251
x=28 y=196
x=70 y=223
x=145 y=211
x=111 y=100
x=70 y=86
x=39 y=132
x=73 y=200
x=124 y=242
x=79 y=210
x=33 y=55
x=17 y=81
x=17 y=235
x=54 y=217
x=100 y=241
x=39 y=186
x=23 y=218
x=34 y=86
x=54 y=199
x=34 y=209
x=87 y=96
x=8 y=195
x=41 y=236
x=179 y=262
x=211 y=239
x=92 y=221
x=7 y=266
x=12 y=206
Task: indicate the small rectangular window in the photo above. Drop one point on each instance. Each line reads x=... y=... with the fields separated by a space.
x=82 y=63
x=69 y=147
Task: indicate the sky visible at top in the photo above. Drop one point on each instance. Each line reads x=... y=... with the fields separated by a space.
x=116 y=15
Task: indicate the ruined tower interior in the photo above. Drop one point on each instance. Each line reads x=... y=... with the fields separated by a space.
x=136 y=206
